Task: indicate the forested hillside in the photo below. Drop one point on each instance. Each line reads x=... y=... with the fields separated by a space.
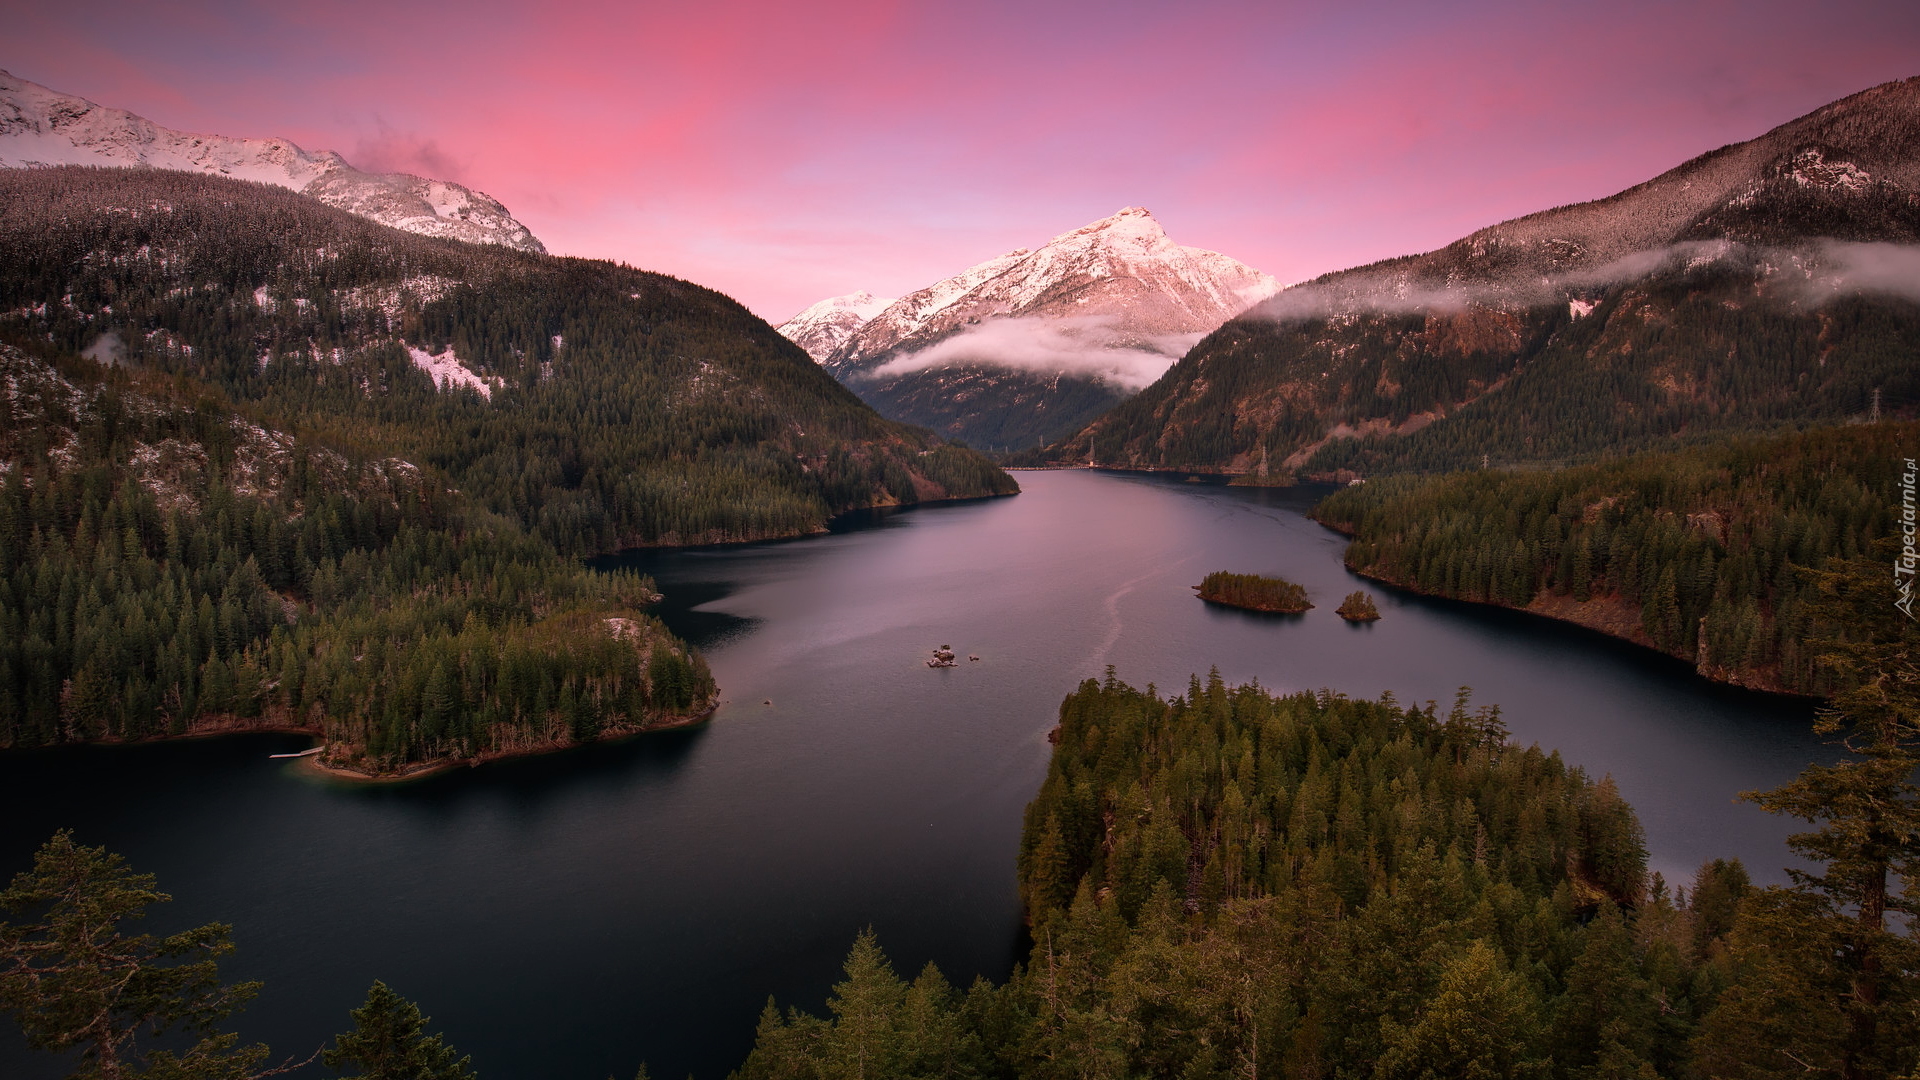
x=598 y=405
x=1698 y=553
x=168 y=566
x=1233 y=883
x=1764 y=285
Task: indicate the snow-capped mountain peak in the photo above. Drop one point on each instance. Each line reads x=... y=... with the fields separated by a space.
x=41 y=127
x=1123 y=268
x=1134 y=225
x=1039 y=339
x=826 y=325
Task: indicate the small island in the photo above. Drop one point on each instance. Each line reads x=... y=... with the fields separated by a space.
x=1358 y=607
x=1254 y=592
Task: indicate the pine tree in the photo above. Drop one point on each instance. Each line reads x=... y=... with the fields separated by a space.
x=389 y=1042
x=864 y=1045
x=1867 y=809
x=1481 y=1025
x=1606 y=1021
x=75 y=979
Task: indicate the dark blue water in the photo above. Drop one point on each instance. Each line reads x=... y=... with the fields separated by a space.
x=573 y=915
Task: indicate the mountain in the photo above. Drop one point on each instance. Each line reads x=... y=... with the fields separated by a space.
x=1767 y=283
x=1034 y=342
x=170 y=566
x=824 y=327
x=596 y=406
x=41 y=127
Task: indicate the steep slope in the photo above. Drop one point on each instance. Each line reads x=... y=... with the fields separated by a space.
x=1035 y=341
x=824 y=327
x=598 y=406
x=40 y=127
x=1766 y=283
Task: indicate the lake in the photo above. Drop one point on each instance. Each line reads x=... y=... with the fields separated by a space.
x=575 y=914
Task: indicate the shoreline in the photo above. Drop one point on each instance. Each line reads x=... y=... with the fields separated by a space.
x=784 y=537
x=315 y=767
x=1253 y=607
x=312 y=765
x=1602 y=615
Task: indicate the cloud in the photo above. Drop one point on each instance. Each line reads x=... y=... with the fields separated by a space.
x=1390 y=293
x=1893 y=269
x=1811 y=274
x=1088 y=346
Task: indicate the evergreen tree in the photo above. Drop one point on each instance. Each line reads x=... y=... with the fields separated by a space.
x=389 y=1042
x=75 y=978
x=1867 y=809
x=1475 y=1028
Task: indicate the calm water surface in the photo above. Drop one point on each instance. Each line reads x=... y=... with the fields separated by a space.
x=573 y=915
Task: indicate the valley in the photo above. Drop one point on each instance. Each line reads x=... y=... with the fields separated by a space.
x=547 y=638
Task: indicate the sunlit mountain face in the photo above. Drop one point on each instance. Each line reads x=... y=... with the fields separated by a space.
x=1034 y=342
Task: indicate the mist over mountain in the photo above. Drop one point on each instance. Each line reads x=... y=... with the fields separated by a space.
x=41 y=127
x=1034 y=342
x=1766 y=283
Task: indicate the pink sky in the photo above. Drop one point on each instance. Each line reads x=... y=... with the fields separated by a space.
x=785 y=152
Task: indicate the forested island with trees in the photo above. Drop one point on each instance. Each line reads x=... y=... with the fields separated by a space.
x=1700 y=553
x=1254 y=592
x=1358 y=607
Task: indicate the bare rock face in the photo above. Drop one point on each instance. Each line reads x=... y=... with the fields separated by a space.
x=1036 y=341
x=39 y=126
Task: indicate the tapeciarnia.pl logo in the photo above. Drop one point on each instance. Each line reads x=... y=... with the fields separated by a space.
x=1904 y=563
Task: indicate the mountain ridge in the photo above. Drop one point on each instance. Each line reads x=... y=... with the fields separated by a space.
x=44 y=127
x=598 y=405
x=1036 y=339
x=1755 y=285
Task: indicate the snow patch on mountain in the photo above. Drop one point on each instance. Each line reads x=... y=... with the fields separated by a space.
x=447 y=371
x=42 y=127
